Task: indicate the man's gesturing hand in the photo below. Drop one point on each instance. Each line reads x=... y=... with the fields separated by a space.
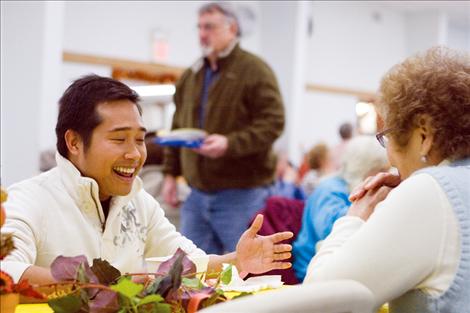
x=258 y=254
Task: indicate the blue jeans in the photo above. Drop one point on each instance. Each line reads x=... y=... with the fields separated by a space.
x=215 y=221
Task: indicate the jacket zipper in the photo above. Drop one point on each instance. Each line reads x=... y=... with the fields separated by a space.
x=97 y=208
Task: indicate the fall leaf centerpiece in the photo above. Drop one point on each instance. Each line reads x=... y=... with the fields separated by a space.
x=9 y=291
x=174 y=288
x=101 y=288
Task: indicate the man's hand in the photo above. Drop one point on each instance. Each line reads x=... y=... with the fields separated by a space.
x=258 y=254
x=373 y=183
x=169 y=191
x=214 y=146
x=365 y=206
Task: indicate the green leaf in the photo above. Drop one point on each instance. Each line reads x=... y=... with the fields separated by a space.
x=226 y=275
x=243 y=294
x=162 y=308
x=67 y=304
x=192 y=283
x=150 y=299
x=81 y=275
x=153 y=287
x=127 y=288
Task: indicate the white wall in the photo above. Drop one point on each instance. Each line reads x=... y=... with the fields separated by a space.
x=30 y=67
x=282 y=46
x=459 y=36
x=352 y=45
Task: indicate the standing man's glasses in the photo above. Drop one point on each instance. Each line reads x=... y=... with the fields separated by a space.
x=381 y=136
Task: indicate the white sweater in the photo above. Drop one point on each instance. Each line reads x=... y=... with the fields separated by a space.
x=411 y=241
x=59 y=213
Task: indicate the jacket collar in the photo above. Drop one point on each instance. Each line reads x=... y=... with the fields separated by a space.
x=225 y=57
x=85 y=189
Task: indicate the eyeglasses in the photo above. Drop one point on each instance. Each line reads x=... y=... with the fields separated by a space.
x=210 y=27
x=381 y=136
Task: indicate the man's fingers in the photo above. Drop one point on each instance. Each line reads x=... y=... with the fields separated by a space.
x=281 y=236
x=281 y=256
x=280 y=265
x=256 y=225
x=282 y=248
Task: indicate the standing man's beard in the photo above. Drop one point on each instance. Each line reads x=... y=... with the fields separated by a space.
x=207 y=50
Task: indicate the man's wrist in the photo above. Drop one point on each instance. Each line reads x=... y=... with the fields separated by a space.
x=241 y=272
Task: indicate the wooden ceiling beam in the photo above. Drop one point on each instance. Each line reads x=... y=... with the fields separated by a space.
x=360 y=94
x=152 y=68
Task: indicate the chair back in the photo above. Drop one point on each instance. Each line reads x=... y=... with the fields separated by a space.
x=336 y=296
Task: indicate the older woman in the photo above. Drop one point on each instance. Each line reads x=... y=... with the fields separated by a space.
x=362 y=157
x=413 y=248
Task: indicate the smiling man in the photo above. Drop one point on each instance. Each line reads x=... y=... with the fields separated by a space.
x=92 y=202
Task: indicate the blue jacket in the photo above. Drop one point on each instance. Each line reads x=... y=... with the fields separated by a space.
x=324 y=206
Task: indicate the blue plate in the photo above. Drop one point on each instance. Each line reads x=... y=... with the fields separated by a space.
x=195 y=143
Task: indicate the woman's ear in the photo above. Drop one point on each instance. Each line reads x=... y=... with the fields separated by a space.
x=73 y=141
x=426 y=132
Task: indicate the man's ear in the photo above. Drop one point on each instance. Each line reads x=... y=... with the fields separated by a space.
x=74 y=142
x=426 y=132
x=234 y=28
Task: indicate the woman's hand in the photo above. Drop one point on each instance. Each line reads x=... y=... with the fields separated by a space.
x=373 y=183
x=258 y=254
x=365 y=206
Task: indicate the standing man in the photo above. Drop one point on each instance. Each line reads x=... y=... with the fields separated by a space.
x=234 y=96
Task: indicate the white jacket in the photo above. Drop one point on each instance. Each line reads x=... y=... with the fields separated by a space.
x=59 y=213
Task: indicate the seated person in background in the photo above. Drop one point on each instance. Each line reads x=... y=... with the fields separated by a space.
x=363 y=157
x=407 y=237
x=320 y=164
x=93 y=203
x=286 y=179
x=346 y=132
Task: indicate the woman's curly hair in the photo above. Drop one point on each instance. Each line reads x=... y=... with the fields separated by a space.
x=436 y=84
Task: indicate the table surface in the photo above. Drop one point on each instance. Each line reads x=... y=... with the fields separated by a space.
x=44 y=308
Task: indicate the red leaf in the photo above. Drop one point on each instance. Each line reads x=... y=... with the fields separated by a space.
x=65 y=268
x=189 y=268
x=6 y=283
x=25 y=289
x=195 y=300
x=105 y=301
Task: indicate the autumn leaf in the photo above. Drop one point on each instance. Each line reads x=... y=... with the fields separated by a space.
x=67 y=268
x=105 y=301
x=188 y=270
x=105 y=272
x=68 y=304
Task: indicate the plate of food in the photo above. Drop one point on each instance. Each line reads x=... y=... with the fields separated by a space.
x=181 y=137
